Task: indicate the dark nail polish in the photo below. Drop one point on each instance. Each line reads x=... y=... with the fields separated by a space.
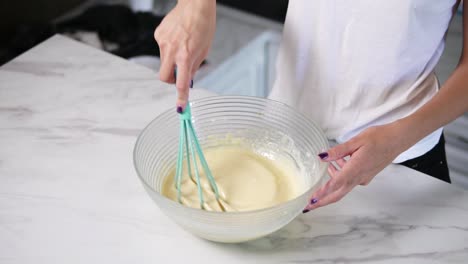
x=323 y=155
x=191 y=84
x=305 y=211
x=313 y=201
x=179 y=109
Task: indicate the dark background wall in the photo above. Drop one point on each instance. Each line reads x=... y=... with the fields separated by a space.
x=25 y=12
x=25 y=23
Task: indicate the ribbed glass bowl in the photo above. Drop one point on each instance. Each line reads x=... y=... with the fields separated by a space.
x=268 y=127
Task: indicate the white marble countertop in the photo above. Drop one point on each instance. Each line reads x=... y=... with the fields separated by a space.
x=69 y=117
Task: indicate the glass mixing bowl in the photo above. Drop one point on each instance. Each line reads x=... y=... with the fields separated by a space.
x=268 y=127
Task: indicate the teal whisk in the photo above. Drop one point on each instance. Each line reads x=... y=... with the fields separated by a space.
x=188 y=143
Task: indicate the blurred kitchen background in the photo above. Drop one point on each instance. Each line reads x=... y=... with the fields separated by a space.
x=241 y=60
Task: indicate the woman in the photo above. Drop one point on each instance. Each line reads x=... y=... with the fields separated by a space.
x=364 y=70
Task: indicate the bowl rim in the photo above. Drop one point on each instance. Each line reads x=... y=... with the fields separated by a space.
x=236 y=213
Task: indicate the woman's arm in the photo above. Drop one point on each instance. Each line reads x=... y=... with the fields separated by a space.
x=376 y=147
x=449 y=103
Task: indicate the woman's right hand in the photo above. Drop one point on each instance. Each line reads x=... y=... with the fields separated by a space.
x=184 y=38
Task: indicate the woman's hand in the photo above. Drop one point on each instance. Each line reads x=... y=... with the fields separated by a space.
x=184 y=38
x=369 y=153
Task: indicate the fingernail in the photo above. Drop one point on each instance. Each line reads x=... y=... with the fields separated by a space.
x=191 y=84
x=305 y=211
x=313 y=201
x=179 y=109
x=323 y=155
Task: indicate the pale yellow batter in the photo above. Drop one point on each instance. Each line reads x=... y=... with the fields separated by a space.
x=246 y=181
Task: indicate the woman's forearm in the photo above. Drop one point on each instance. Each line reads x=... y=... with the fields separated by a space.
x=448 y=104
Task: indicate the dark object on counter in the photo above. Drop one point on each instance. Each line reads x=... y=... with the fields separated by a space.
x=131 y=32
x=112 y=23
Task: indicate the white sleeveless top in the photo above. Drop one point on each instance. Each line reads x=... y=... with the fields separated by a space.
x=349 y=65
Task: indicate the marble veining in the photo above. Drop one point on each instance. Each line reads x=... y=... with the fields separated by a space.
x=69 y=117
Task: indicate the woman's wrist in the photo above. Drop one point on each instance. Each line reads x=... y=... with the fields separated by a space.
x=205 y=8
x=408 y=132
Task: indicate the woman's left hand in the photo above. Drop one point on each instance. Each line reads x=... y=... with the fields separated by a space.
x=369 y=153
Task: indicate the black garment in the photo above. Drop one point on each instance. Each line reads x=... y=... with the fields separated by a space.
x=433 y=163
